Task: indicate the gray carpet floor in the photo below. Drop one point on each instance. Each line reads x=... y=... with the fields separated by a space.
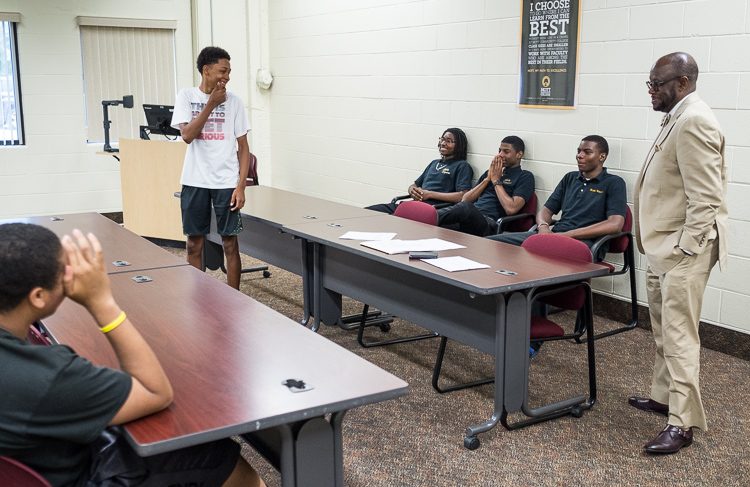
x=417 y=440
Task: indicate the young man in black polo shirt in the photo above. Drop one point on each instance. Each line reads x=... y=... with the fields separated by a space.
x=593 y=202
x=502 y=190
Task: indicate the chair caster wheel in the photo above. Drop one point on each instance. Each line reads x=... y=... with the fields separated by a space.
x=471 y=442
x=576 y=412
x=385 y=328
x=266 y=274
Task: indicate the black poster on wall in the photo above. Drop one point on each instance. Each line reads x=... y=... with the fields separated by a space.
x=549 y=53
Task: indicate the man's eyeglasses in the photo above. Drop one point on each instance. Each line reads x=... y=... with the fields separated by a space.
x=655 y=85
x=447 y=141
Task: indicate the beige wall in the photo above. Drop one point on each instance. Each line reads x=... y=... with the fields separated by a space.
x=364 y=88
x=57 y=171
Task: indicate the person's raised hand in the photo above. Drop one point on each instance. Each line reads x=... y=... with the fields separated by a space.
x=218 y=95
x=496 y=169
x=85 y=280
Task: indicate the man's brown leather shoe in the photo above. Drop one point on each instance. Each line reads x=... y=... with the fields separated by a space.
x=670 y=440
x=649 y=405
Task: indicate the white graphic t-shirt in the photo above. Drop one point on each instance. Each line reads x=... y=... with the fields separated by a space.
x=211 y=159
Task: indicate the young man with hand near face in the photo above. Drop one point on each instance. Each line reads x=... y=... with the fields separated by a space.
x=502 y=190
x=214 y=124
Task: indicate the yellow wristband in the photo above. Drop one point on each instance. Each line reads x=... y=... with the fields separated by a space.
x=115 y=323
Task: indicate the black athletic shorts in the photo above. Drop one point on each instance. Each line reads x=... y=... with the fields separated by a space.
x=115 y=464
x=196 y=203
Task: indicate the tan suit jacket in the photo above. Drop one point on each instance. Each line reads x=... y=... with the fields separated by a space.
x=680 y=194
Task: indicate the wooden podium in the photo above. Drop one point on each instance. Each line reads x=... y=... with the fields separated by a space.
x=150 y=175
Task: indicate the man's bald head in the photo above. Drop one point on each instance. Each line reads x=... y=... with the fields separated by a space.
x=672 y=78
x=680 y=64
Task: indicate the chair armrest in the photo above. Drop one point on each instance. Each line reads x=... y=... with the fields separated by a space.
x=398 y=198
x=503 y=222
x=177 y=194
x=601 y=241
x=443 y=204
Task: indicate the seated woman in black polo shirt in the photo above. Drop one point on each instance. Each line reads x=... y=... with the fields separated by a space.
x=445 y=179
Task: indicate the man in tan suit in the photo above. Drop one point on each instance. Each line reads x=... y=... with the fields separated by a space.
x=681 y=224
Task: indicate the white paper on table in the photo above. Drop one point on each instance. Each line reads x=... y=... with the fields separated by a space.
x=405 y=246
x=455 y=263
x=373 y=236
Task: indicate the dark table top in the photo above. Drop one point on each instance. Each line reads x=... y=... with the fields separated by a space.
x=531 y=266
x=118 y=243
x=278 y=207
x=226 y=356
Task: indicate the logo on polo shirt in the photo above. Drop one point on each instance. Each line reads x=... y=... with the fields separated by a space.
x=596 y=191
x=446 y=171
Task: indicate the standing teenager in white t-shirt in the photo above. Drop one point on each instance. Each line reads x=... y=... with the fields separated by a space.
x=214 y=124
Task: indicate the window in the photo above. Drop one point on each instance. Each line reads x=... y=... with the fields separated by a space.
x=125 y=57
x=11 y=120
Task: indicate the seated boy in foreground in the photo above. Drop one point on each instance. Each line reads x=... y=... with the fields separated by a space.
x=55 y=406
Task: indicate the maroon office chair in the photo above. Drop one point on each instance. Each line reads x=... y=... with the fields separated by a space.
x=575 y=296
x=411 y=210
x=570 y=296
x=252 y=172
x=417 y=211
x=252 y=180
x=521 y=221
x=15 y=474
x=621 y=243
x=36 y=337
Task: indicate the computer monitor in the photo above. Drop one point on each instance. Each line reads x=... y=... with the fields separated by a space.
x=159 y=118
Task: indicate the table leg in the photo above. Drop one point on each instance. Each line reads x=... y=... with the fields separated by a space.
x=326 y=303
x=306 y=453
x=317 y=285
x=307 y=279
x=516 y=354
x=471 y=441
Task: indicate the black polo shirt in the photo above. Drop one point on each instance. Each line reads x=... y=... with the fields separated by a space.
x=586 y=202
x=515 y=181
x=446 y=176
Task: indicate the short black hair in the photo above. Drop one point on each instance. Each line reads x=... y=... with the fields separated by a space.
x=29 y=258
x=516 y=142
x=211 y=55
x=601 y=142
x=462 y=143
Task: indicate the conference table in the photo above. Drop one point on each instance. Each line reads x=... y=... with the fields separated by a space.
x=485 y=309
x=227 y=357
x=124 y=251
x=266 y=213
